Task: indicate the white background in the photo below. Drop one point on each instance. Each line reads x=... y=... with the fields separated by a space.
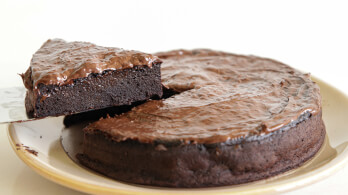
x=308 y=35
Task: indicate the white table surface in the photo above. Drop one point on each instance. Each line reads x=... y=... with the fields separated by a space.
x=308 y=35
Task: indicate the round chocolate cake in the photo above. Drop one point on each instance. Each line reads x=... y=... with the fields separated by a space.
x=230 y=119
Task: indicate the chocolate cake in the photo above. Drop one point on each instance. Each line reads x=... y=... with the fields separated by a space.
x=234 y=119
x=70 y=77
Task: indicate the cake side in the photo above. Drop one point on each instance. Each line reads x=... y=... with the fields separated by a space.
x=97 y=91
x=203 y=165
x=94 y=115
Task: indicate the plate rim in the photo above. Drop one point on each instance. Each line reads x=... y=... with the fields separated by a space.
x=289 y=184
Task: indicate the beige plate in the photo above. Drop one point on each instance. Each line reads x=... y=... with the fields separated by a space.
x=52 y=162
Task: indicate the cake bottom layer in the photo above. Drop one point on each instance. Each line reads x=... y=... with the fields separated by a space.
x=202 y=165
x=97 y=91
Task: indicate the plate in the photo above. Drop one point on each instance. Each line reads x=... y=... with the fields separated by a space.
x=38 y=144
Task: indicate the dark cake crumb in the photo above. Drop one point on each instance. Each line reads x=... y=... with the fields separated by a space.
x=26 y=148
x=31 y=151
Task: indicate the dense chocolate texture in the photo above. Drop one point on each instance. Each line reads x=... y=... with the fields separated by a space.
x=70 y=77
x=95 y=115
x=235 y=119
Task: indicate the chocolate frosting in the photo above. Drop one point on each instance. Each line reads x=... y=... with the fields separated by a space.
x=58 y=62
x=222 y=97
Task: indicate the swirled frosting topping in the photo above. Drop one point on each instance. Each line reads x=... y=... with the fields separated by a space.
x=222 y=97
x=58 y=62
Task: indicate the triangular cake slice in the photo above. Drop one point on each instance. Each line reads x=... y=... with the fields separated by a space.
x=71 y=77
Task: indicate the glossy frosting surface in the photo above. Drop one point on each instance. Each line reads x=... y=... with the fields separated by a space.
x=223 y=97
x=59 y=62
